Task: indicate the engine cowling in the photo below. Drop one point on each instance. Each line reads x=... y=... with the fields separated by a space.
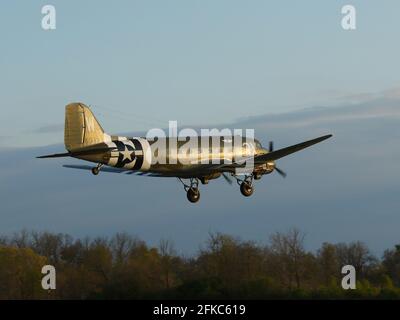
x=206 y=179
x=265 y=168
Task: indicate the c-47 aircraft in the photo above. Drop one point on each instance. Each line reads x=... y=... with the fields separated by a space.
x=85 y=139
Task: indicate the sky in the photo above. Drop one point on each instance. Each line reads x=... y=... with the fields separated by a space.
x=142 y=63
x=285 y=68
x=344 y=189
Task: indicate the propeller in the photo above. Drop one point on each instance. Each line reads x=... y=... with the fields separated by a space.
x=227 y=178
x=280 y=171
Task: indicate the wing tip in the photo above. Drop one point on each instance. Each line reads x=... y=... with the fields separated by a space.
x=320 y=139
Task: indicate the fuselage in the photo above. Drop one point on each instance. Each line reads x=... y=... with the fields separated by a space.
x=175 y=155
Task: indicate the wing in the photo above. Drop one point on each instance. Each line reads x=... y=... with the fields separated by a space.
x=275 y=155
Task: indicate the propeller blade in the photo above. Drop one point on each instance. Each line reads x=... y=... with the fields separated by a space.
x=281 y=172
x=271 y=146
x=227 y=179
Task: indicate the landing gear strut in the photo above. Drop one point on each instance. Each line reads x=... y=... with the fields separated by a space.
x=97 y=169
x=192 y=190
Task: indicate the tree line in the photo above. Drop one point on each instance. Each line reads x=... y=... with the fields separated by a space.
x=226 y=267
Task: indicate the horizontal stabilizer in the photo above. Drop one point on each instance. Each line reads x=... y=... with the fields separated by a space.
x=56 y=155
x=89 y=168
x=82 y=152
x=112 y=170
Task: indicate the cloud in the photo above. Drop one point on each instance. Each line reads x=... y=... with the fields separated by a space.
x=49 y=129
x=28 y=137
x=3 y=140
x=386 y=106
x=392 y=93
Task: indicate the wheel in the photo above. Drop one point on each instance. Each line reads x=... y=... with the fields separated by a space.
x=193 y=195
x=95 y=171
x=246 y=189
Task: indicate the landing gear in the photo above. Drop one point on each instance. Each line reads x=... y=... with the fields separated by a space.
x=193 y=195
x=192 y=190
x=257 y=176
x=96 y=170
x=246 y=189
x=246 y=185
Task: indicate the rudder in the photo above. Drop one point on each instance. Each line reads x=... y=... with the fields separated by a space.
x=81 y=127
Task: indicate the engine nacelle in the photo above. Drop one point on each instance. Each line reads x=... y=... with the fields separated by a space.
x=206 y=179
x=265 y=168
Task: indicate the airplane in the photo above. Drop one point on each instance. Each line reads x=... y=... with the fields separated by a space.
x=85 y=139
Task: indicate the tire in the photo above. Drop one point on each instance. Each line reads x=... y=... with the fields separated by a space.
x=193 y=195
x=95 y=171
x=246 y=189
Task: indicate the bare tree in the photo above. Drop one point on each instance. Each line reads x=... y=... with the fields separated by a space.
x=49 y=245
x=391 y=263
x=21 y=239
x=328 y=262
x=4 y=241
x=356 y=254
x=122 y=245
x=289 y=249
x=167 y=252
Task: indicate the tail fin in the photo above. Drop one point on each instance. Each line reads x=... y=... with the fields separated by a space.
x=81 y=127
